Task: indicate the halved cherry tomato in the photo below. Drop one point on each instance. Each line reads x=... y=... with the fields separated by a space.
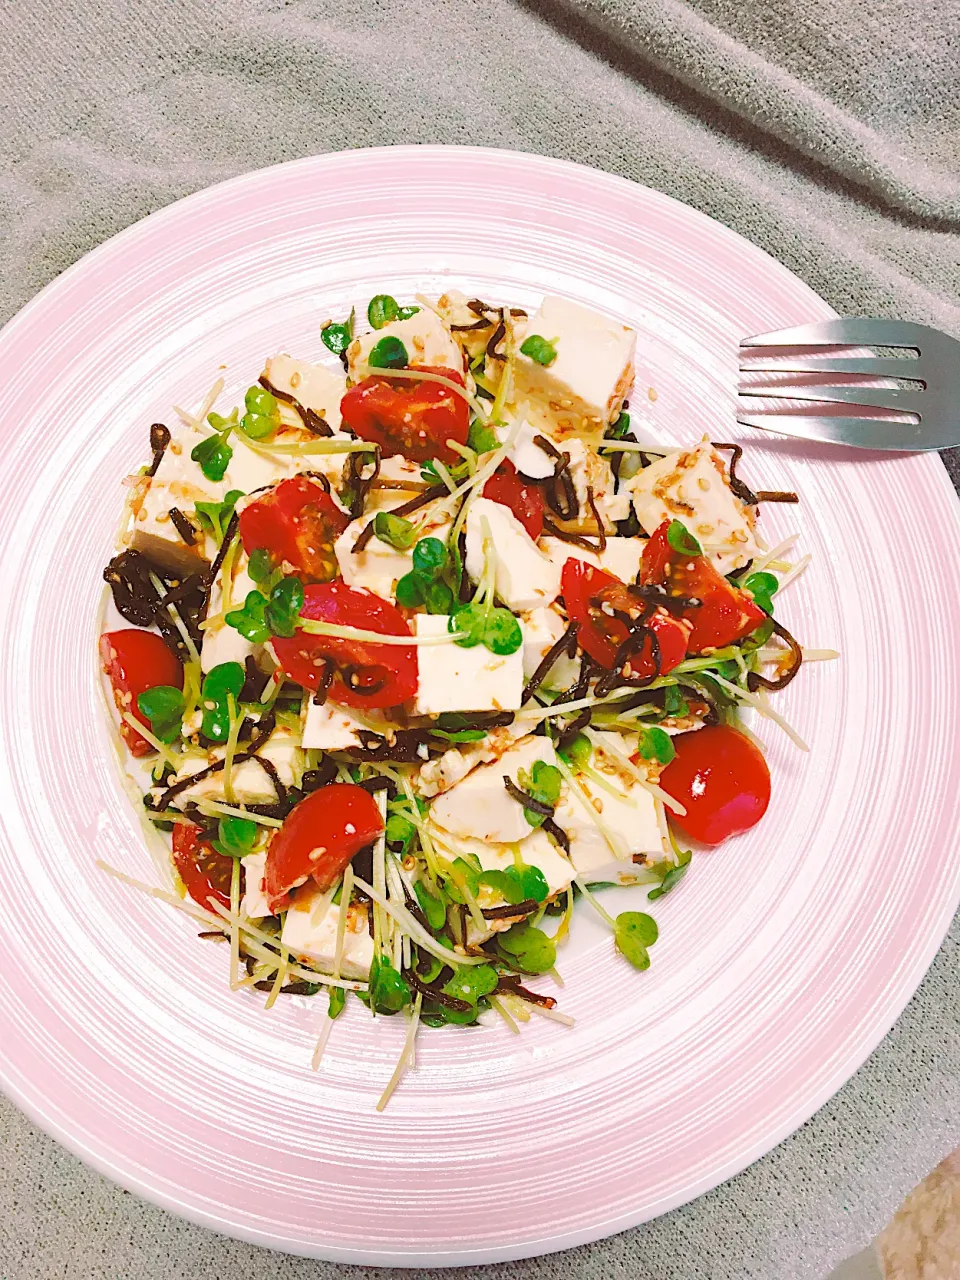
x=415 y=419
x=524 y=500
x=298 y=522
x=724 y=615
x=722 y=780
x=318 y=838
x=586 y=589
x=367 y=674
x=137 y=661
x=204 y=872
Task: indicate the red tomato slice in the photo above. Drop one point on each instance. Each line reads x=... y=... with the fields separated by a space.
x=137 y=661
x=722 y=780
x=204 y=872
x=318 y=838
x=367 y=674
x=298 y=522
x=585 y=589
x=725 y=614
x=415 y=419
x=524 y=500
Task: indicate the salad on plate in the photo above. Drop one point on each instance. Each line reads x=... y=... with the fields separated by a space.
x=424 y=641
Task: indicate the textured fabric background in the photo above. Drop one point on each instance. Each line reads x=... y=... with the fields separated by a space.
x=827 y=131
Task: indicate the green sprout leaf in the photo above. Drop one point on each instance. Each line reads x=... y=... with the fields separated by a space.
x=236 y=836
x=669 y=881
x=539 y=349
x=682 y=540
x=472 y=620
x=283 y=609
x=517 y=884
x=578 y=752
x=432 y=908
x=215 y=516
x=388 y=353
x=502 y=634
x=262 y=566
x=634 y=932
x=655 y=744
x=763 y=587
x=382 y=310
x=262 y=417
x=163 y=706
x=430 y=557
x=674 y=703
x=472 y=983
x=438 y=597
x=482 y=439
x=220 y=685
x=337 y=337
x=394 y=530
x=543 y=782
x=619 y=428
x=404 y=313
x=399 y=833
x=409 y=591
x=224 y=424
x=250 y=621
x=389 y=992
x=213 y=455
x=338 y=999
x=528 y=948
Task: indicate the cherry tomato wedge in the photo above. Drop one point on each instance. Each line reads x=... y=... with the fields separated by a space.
x=318 y=838
x=585 y=589
x=722 y=780
x=136 y=661
x=367 y=674
x=297 y=522
x=725 y=613
x=524 y=500
x=204 y=872
x=415 y=419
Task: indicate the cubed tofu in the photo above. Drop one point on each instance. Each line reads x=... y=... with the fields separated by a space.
x=542 y=628
x=581 y=392
x=535 y=849
x=452 y=678
x=179 y=483
x=250 y=471
x=427 y=339
x=310 y=929
x=222 y=643
x=379 y=566
x=630 y=818
x=591 y=472
x=529 y=459
x=454 y=310
x=336 y=728
x=443 y=772
x=313 y=385
x=621 y=557
x=254 y=903
x=692 y=486
x=525 y=578
x=480 y=807
x=251 y=782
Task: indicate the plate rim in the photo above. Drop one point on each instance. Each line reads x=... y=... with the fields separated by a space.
x=909 y=981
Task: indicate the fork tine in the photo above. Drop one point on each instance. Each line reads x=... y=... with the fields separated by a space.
x=867 y=433
x=893 y=398
x=875 y=366
x=850 y=331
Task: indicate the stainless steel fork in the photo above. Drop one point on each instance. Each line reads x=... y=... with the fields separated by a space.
x=842 y=378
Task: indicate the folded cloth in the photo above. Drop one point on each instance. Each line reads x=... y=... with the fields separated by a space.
x=826 y=131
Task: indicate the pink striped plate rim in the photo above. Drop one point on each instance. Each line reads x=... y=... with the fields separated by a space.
x=784 y=957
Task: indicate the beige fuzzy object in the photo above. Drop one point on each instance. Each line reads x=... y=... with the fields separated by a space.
x=923 y=1240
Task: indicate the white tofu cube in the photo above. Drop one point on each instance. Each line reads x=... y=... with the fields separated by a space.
x=222 y=643
x=453 y=308
x=542 y=628
x=452 y=678
x=525 y=578
x=379 y=566
x=427 y=339
x=621 y=557
x=313 y=385
x=529 y=458
x=591 y=472
x=254 y=903
x=443 y=772
x=581 y=392
x=251 y=783
x=250 y=471
x=179 y=483
x=480 y=807
x=336 y=728
x=310 y=929
x=629 y=819
x=691 y=485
